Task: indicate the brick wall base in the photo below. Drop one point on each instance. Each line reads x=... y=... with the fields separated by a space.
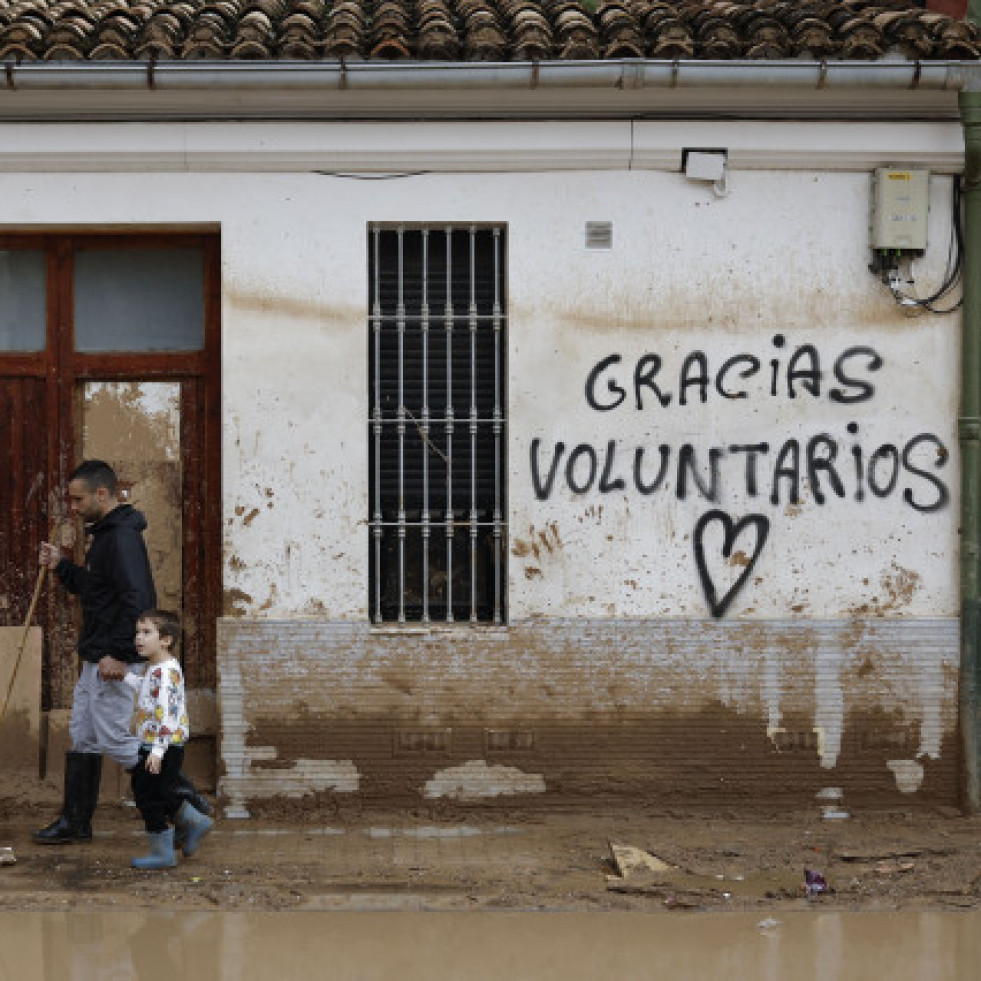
x=661 y=711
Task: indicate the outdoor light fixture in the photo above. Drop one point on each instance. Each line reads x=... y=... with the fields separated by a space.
x=707 y=165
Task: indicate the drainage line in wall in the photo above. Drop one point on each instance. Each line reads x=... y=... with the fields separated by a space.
x=969 y=426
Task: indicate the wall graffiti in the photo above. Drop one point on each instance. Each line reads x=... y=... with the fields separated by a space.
x=737 y=468
x=733 y=532
x=802 y=370
x=830 y=465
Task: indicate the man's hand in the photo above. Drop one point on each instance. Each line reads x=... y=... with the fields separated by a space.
x=112 y=670
x=49 y=555
x=152 y=764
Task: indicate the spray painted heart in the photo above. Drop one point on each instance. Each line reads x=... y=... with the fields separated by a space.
x=731 y=532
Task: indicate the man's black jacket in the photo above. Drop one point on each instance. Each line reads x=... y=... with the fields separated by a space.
x=114 y=586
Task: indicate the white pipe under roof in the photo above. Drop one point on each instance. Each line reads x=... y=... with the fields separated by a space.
x=622 y=74
x=627 y=88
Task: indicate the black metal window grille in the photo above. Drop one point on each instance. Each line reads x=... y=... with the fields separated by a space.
x=437 y=499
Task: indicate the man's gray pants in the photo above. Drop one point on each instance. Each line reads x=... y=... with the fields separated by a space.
x=100 y=719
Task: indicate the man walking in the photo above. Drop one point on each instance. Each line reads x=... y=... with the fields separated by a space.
x=114 y=586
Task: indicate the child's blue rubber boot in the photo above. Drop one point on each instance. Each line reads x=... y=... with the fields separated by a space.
x=192 y=826
x=161 y=852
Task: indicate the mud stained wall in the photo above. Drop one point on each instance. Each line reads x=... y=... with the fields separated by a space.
x=731 y=465
x=660 y=711
x=733 y=500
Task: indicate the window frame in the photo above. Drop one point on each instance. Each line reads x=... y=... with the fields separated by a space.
x=416 y=313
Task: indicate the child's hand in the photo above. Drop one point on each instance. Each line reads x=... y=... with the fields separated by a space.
x=153 y=764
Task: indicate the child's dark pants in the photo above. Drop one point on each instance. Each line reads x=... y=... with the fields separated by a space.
x=157 y=795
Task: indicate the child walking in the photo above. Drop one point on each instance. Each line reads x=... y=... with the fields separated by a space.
x=161 y=724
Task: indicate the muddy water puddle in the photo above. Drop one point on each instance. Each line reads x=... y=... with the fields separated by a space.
x=803 y=946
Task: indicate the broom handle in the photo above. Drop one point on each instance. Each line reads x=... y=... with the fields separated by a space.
x=30 y=610
x=23 y=639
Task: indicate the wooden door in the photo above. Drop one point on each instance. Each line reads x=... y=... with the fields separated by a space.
x=109 y=348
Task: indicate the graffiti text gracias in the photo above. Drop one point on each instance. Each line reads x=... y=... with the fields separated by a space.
x=834 y=465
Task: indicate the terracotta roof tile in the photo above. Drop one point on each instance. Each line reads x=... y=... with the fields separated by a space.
x=437 y=39
x=715 y=36
x=345 y=29
x=668 y=34
x=483 y=35
x=478 y=30
x=301 y=36
x=810 y=37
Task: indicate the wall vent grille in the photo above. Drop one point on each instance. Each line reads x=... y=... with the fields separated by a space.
x=599 y=234
x=413 y=742
x=509 y=741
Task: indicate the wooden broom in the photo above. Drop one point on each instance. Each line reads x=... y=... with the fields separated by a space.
x=23 y=637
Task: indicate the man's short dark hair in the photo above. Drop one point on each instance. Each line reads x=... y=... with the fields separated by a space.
x=95 y=474
x=168 y=624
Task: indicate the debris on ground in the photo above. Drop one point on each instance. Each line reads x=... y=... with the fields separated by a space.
x=630 y=861
x=891 y=866
x=680 y=902
x=864 y=855
x=814 y=884
x=644 y=874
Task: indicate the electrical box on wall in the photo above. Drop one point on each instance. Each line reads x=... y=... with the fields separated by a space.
x=900 y=207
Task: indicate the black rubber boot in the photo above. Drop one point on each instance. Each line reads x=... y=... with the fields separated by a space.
x=83 y=772
x=91 y=780
x=186 y=790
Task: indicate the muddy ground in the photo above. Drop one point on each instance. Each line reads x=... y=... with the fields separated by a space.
x=324 y=855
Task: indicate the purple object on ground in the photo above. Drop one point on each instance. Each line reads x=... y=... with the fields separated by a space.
x=814 y=883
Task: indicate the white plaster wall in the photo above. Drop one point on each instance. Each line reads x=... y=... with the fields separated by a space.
x=784 y=252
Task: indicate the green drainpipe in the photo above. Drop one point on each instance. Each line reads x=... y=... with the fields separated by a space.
x=970 y=444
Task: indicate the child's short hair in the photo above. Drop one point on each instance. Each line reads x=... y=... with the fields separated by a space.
x=168 y=624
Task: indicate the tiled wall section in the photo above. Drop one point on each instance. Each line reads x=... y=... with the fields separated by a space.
x=662 y=711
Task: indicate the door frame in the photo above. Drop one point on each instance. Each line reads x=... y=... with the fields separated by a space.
x=62 y=369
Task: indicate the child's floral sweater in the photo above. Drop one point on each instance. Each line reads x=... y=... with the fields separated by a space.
x=161 y=710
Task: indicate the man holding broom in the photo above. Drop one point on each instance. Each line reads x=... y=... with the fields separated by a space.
x=114 y=586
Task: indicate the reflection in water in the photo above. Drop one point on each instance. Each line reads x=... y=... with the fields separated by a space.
x=802 y=946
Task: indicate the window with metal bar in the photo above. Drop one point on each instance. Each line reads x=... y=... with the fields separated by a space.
x=437 y=500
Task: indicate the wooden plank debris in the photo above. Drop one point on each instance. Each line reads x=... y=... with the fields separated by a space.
x=20 y=728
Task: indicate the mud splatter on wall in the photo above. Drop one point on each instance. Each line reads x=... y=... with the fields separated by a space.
x=658 y=643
